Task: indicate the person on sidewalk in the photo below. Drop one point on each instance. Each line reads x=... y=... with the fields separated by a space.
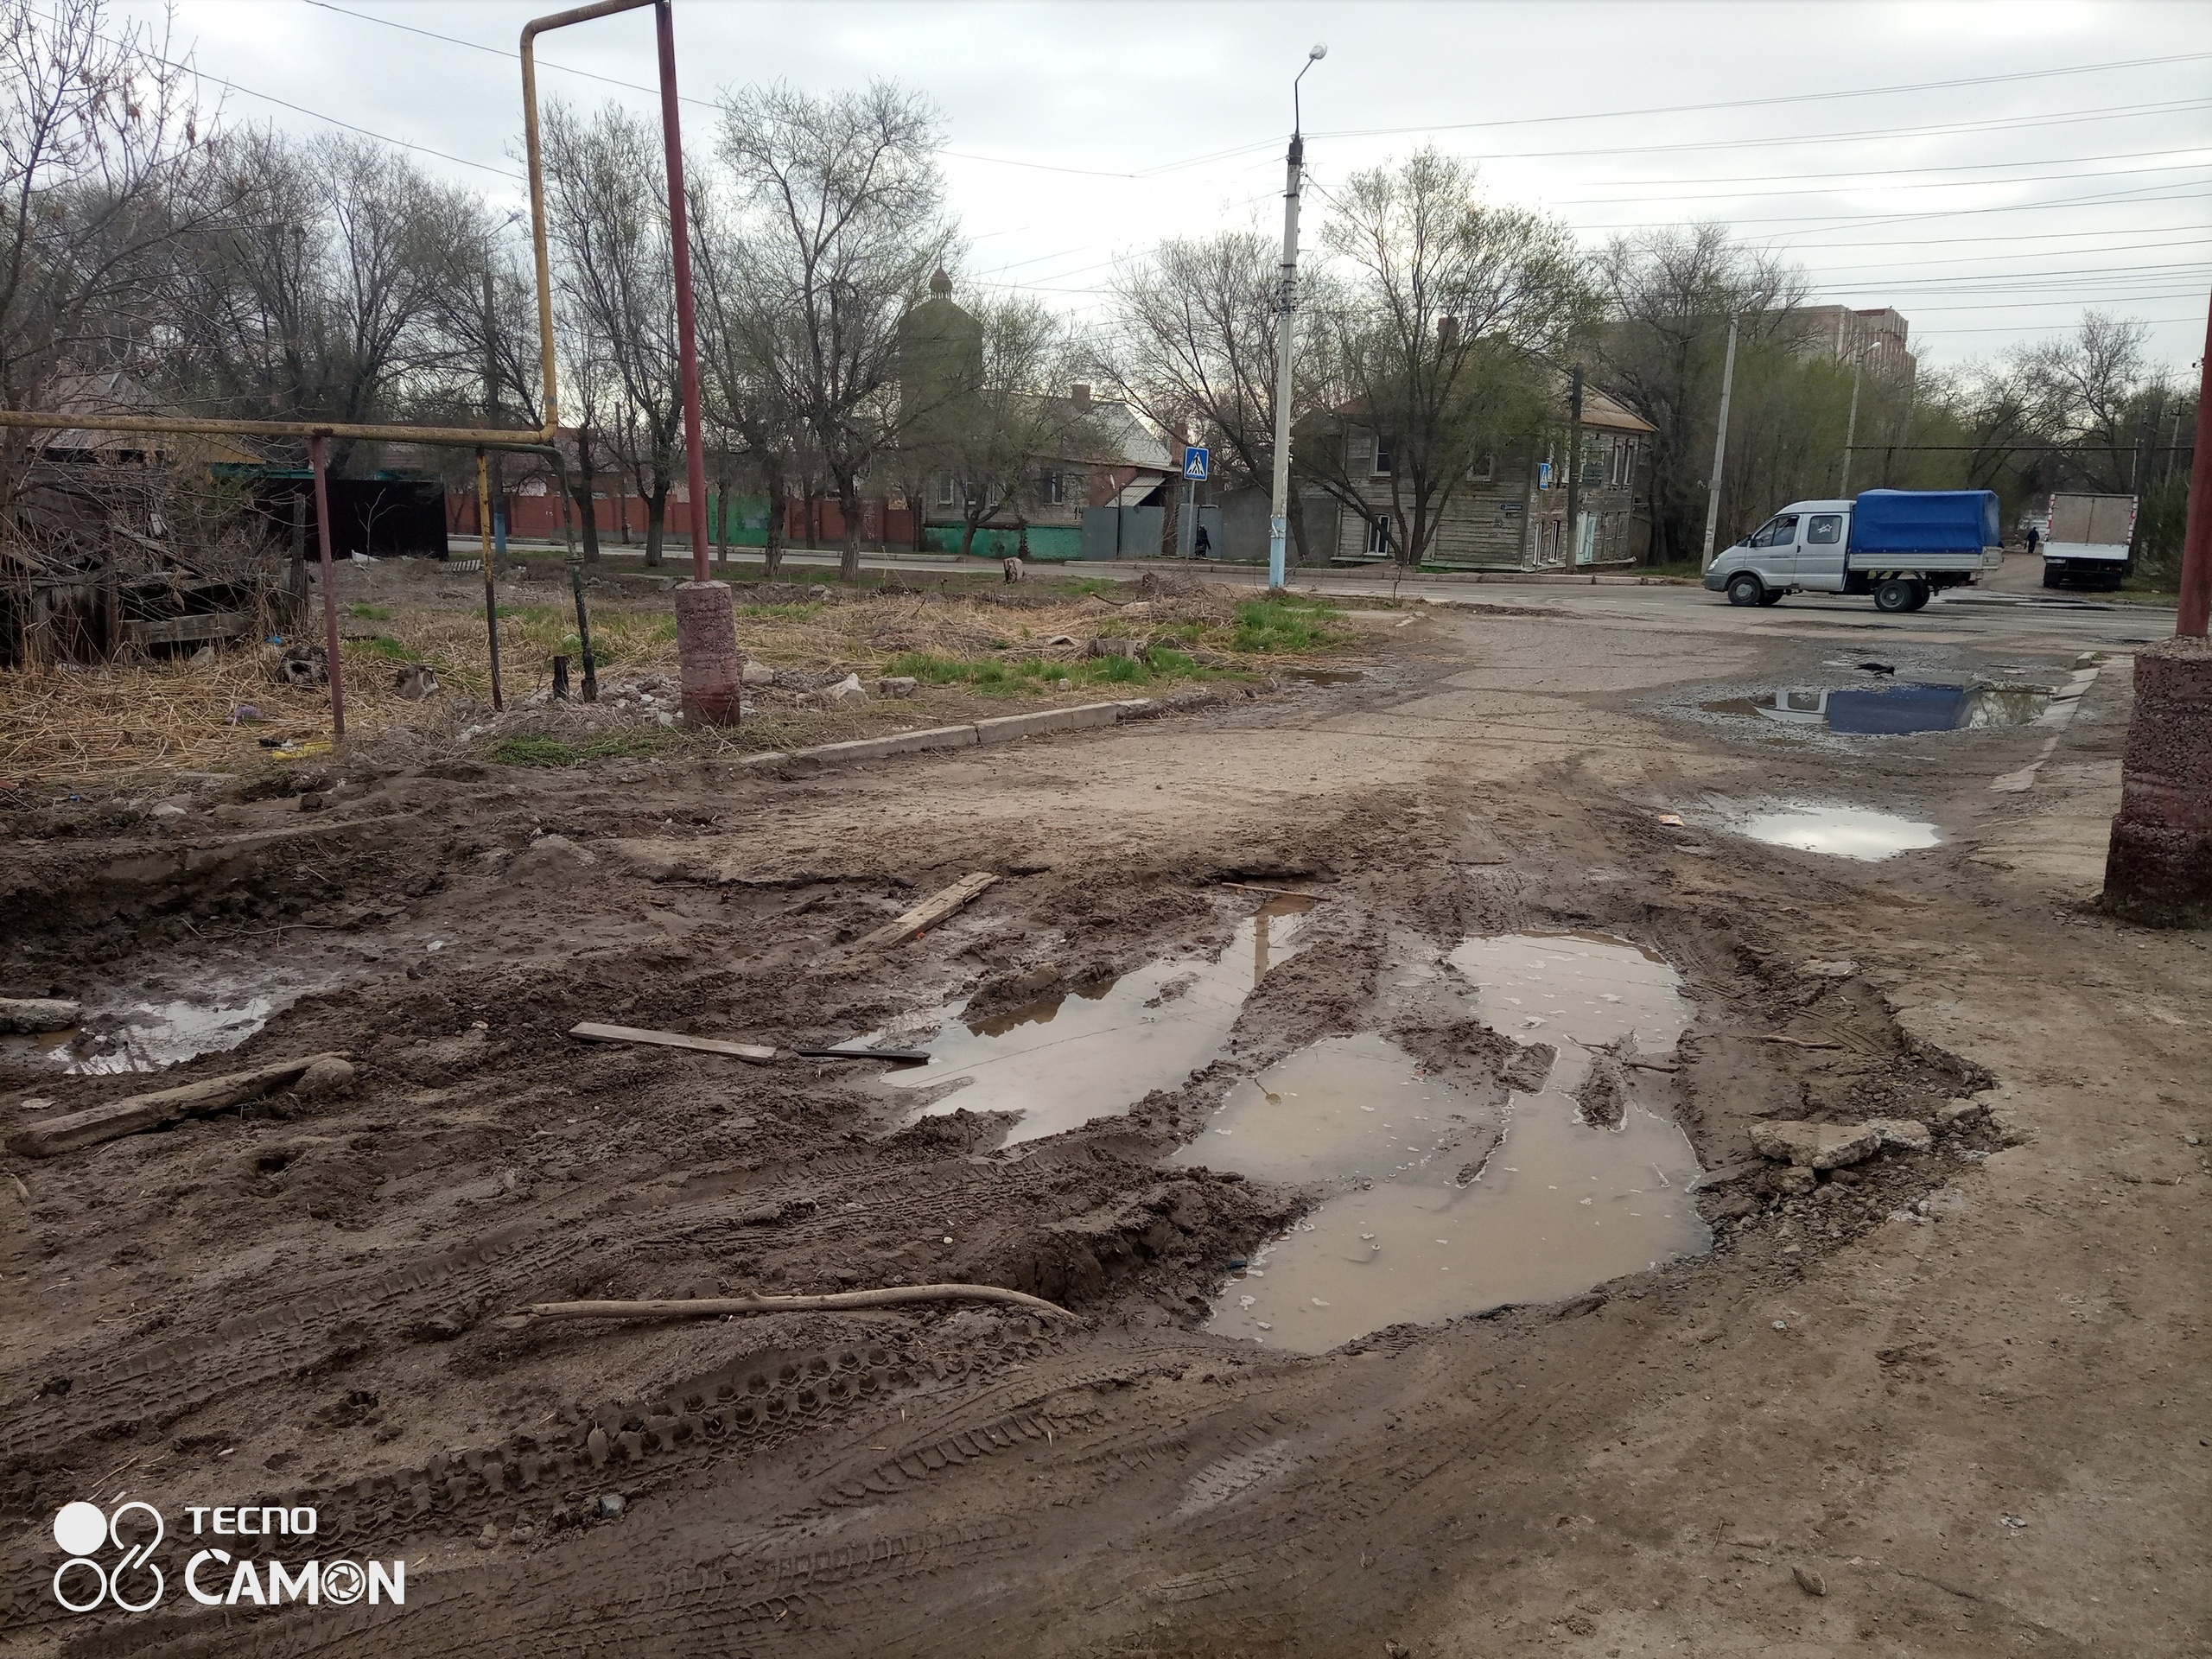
x=1202 y=544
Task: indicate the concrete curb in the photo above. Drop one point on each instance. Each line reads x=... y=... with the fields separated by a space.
x=1004 y=729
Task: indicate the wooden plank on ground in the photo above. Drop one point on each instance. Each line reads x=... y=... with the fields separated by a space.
x=927 y=914
x=180 y=630
x=598 y=1033
x=120 y=1117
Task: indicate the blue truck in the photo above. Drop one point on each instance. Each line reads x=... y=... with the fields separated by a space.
x=1899 y=546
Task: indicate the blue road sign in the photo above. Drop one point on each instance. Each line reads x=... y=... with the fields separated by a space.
x=1195 y=461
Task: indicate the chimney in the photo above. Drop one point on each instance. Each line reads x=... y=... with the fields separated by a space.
x=1080 y=394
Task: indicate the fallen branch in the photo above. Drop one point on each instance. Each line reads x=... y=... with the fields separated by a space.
x=1280 y=893
x=141 y=1112
x=709 y=1308
x=895 y=1056
x=1794 y=1042
x=928 y=913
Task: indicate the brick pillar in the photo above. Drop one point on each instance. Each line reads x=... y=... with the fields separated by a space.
x=706 y=646
x=2159 y=869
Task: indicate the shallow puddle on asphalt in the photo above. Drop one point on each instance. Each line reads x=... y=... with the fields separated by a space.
x=1839 y=831
x=1091 y=1050
x=1892 y=710
x=1323 y=675
x=1412 y=1233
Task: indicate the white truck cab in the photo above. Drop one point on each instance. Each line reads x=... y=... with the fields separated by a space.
x=1923 y=544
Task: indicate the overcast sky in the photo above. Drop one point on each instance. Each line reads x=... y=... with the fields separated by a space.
x=2068 y=164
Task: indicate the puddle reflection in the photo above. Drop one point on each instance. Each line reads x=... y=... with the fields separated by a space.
x=1415 y=1234
x=1093 y=1050
x=1893 y=710
x=1840 y=831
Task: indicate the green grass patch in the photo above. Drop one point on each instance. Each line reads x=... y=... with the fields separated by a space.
x=385 y=646
x=370 y=613
x=1283 y=622
x=542 y=749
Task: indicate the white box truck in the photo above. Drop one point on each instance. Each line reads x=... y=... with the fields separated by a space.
x=2089 y=541
x=1899 y=546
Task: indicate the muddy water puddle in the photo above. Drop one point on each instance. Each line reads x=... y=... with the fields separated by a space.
x=1419 y=1225
x=1892 y=710
x=206 y=1008
x=1839 y=831
x=1093 y=1050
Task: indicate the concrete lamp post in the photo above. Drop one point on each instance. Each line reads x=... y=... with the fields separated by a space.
x=2158 y=865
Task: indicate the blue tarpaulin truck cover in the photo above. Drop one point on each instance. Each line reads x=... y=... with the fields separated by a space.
x=1924 y=521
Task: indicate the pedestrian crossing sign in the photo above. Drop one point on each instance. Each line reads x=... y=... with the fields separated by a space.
x=1197 y=461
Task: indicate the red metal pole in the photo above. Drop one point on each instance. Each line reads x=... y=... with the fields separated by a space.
x=695 y=458
x=2196 y=610
x=329 y=590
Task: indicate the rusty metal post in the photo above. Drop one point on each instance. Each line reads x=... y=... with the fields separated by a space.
x=706 y=626
x=491 y=600
x=318 y=460
x=2194 y=613
x=2158 y=864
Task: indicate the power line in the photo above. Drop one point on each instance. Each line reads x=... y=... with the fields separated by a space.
x=2203 y=151
x=1932 y=184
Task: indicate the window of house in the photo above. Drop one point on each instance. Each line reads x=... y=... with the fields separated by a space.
x=1617 y=470
x=1378 y=535
x=1051 y=489
x=1484 y=469
x=1386 y=456
x=945 y=495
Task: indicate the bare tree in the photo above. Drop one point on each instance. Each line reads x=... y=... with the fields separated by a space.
x=844 y=222
x=102 y=165
x=1454 y=316
x=607 y=211
x=991 y=425
x=741 y=394
x=1671 y=293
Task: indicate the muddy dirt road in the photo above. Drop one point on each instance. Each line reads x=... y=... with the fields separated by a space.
x=1355 y=1369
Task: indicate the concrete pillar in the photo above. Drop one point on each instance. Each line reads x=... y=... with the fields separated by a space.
x=706 y=646
x=2159 y=869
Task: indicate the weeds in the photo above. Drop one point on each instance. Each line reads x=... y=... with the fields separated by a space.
x=1283 y=622
x=542 y=749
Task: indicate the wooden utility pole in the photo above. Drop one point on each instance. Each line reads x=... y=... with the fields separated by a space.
x=1574 y=468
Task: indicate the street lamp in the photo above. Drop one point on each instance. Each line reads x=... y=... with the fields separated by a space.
x=1286 y=326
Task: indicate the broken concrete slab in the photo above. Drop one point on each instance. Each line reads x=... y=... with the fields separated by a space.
x=1816 y=1146
x=1959 y=1111
x=1902 y=1132
x=871 y=748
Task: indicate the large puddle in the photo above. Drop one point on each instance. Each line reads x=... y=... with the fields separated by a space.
x=1839 y=831
x=1093 y=1050
x=1891 y=710
x=1413 y=1230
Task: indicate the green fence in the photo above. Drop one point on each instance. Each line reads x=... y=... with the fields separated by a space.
x=1046 y=541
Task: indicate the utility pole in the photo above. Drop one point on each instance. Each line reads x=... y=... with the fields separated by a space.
x=1574 y=466
x=1286 y=329
x=1719 y=449
x=1851 y=426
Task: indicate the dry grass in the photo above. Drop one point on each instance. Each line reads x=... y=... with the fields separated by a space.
x=73 y=725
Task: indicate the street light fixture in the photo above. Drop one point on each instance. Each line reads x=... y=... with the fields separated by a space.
x=1286 y=326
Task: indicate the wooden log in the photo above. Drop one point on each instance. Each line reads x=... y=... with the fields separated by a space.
x=1279 y=892
x=896 y=1055
x=709 y=1307
x=598 y=1033
x=141 y=1112
x=38 y=1013
x=928 y=913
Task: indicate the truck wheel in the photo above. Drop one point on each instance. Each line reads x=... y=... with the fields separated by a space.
x=1921 y=592
x=1771 y=596
x=1745 y=589
x=1894 y=595
x=2050 y=577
